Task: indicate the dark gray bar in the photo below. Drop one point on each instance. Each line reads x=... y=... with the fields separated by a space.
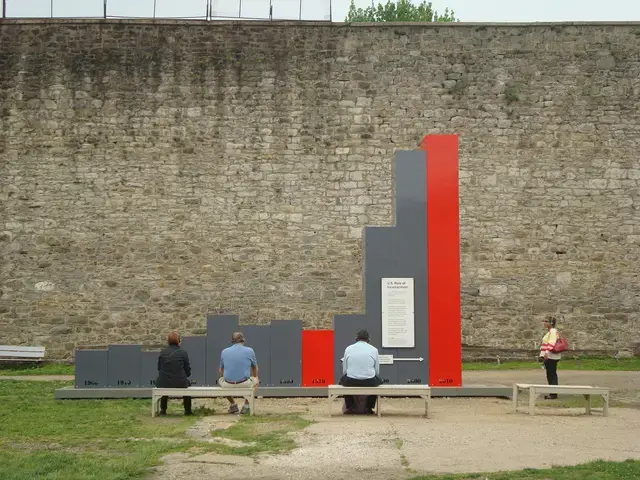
x=380 y=262
x=286 y=353
x=149 y=368
x=219 y=331
x=345 y=328
x=91 y=369
x=411 y=190
x=124 y=364
x=196 y=349
x=258 y=337
x=410 y=247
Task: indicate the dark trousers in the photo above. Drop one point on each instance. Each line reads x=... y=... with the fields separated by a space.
x=349 y=401
x=551 y=367
x=186 y=401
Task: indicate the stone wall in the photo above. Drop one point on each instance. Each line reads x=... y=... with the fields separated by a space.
x=153 y=173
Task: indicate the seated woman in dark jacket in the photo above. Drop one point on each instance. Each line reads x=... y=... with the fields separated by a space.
x=173 y=370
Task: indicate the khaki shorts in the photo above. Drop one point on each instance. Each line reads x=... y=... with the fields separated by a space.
x=250 y=382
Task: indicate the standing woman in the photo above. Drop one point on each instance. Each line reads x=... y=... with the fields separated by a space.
x=546 y=353
x=173 y=371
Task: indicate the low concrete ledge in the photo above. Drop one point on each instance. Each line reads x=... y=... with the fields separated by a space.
x=70 y=393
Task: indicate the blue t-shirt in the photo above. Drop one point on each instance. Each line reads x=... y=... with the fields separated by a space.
x=237 y=361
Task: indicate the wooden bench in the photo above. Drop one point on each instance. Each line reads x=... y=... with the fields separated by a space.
x=200 y=392
x=535 y=390
x=11 y=353
x=422 y=391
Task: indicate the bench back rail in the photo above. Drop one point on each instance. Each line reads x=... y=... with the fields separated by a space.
x=17 y=352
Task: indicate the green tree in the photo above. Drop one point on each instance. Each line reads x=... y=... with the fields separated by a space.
x=398 y=11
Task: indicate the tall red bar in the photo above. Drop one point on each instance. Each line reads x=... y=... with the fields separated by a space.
x=317 y=358
x=443 y=259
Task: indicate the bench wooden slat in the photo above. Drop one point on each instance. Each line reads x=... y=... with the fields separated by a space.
x=388 y=387
x=201 y=392
x=20 y=349
x=567 y=387
x=21 y=355
x=15 y=353
x=423 y=391
x=585 y=390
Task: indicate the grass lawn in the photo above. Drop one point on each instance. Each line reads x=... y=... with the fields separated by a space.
x=47 y=439
x=37 y=369
x=589 y=471
x=52 y=439
x=583 y=363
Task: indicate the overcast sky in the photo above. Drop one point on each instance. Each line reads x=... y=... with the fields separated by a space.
x=466 y=10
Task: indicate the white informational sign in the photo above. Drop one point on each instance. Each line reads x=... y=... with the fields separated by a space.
x=385 y=359
x=398 y=325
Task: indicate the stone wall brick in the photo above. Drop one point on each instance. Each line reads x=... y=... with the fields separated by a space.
x=153 y=173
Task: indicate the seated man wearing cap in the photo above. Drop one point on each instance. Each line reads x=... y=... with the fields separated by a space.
x=360 y=368
x=238 y=368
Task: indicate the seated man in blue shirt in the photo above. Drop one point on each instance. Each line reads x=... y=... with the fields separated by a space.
x=361 y=368
x=238 y=368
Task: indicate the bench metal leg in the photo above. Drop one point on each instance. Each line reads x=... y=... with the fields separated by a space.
x=155 y=404
x=329 y=405
x=532 y=400
x=427 y=401
x=514 y=397
x=605 y=408
x=250 y=399
x=378 y=406
x=588 y=398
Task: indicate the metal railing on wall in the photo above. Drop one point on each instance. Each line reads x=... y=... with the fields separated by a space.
x=309 y=10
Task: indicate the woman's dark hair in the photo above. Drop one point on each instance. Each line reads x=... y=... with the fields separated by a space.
x=552 y=321
x=173 y=338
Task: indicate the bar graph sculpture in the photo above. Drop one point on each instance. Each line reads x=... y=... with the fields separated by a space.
x=414 y=265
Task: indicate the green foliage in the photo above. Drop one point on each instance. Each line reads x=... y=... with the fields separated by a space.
x=580 y=363
x=398 y=11
x=599 y=470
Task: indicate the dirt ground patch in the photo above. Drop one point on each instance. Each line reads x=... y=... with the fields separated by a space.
x=462 y=435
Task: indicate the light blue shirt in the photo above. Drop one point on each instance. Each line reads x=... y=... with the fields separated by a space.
x=236 y=361
x=361 y=361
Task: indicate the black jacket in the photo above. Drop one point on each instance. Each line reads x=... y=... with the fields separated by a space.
x=173 y=368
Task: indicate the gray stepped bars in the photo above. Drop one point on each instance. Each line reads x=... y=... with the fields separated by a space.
x=389 y=252
x=278 y=348
x=398 y=251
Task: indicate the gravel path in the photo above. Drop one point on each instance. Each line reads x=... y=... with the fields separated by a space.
x=462 y=435
x=625 y=386
x=613 y=380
